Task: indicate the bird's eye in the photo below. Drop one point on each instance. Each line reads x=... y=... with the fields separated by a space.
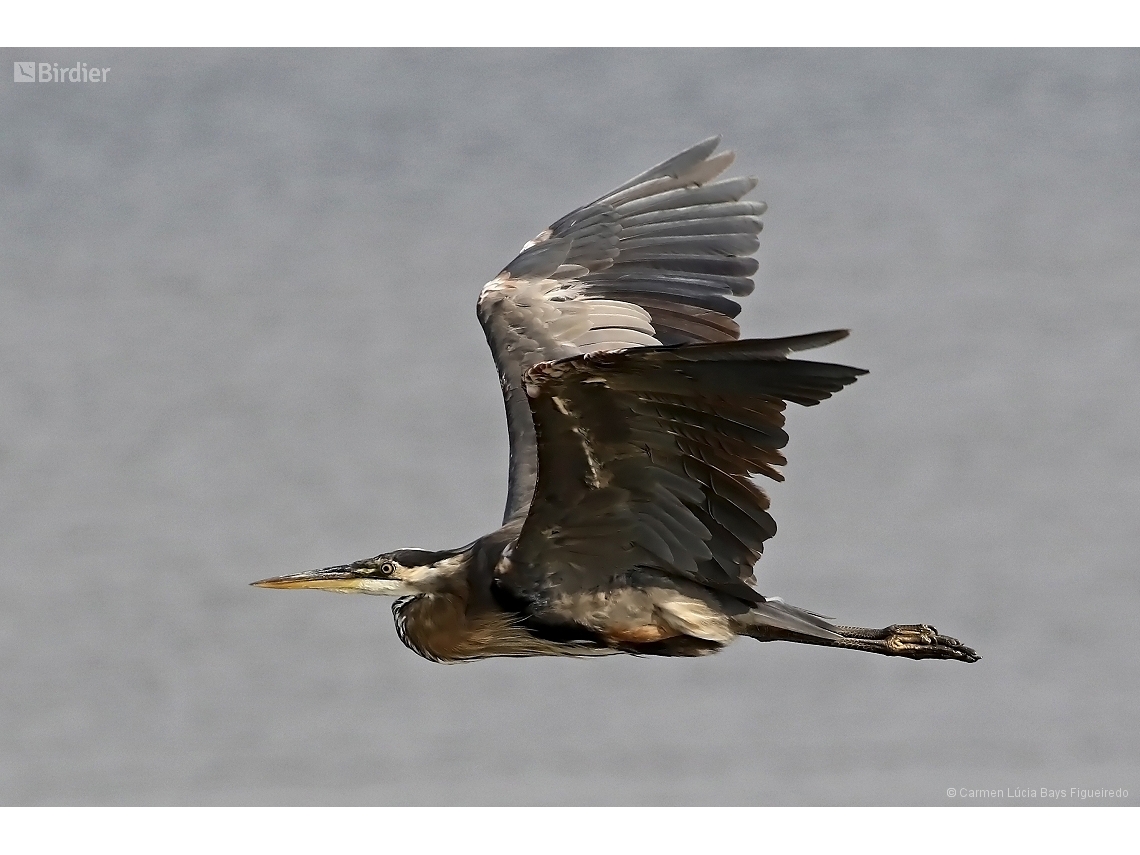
x=387 y=568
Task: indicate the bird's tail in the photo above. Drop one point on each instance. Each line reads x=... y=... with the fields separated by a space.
x=773 y=617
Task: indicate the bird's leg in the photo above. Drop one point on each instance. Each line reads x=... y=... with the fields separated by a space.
x=914 y=641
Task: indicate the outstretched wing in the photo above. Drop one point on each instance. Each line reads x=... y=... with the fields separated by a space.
x=644 y=458
x=655 y=261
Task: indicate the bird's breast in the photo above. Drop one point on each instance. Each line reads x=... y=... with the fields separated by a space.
x=442 y=628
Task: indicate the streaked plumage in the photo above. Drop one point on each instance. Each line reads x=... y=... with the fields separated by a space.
x=637 y=419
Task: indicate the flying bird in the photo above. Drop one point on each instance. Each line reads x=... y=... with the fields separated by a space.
x=637 y=418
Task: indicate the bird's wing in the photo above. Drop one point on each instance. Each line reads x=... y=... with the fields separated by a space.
x=644 y=461
x=655 y=261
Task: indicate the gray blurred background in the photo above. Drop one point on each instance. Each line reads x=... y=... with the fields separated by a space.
x=238 y=339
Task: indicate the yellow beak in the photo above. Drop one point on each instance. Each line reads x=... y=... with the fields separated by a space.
x=340 y=579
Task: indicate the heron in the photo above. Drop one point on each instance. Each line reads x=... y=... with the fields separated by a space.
x=637 y=419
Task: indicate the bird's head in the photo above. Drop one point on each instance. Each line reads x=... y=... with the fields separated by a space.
x=395 y=574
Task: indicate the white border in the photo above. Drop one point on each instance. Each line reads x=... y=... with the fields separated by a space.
x=574 y=831
x=232 y=23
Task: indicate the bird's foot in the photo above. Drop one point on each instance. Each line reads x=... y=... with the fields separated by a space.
x=912 y=640
x=922 y=641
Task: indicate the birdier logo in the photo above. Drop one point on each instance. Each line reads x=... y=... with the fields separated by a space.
x=51 y=72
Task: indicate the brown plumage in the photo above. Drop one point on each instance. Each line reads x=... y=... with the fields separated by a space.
x=637 y=420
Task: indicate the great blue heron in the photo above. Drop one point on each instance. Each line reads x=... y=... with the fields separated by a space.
x=636 y=420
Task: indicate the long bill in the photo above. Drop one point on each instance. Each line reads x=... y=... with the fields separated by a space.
x=342 y=579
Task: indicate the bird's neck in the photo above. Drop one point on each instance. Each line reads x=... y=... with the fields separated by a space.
x=446 y=576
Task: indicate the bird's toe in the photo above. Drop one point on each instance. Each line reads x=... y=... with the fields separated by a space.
x=922 y=641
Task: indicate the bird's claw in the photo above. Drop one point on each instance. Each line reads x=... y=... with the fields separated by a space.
x=922 y=641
